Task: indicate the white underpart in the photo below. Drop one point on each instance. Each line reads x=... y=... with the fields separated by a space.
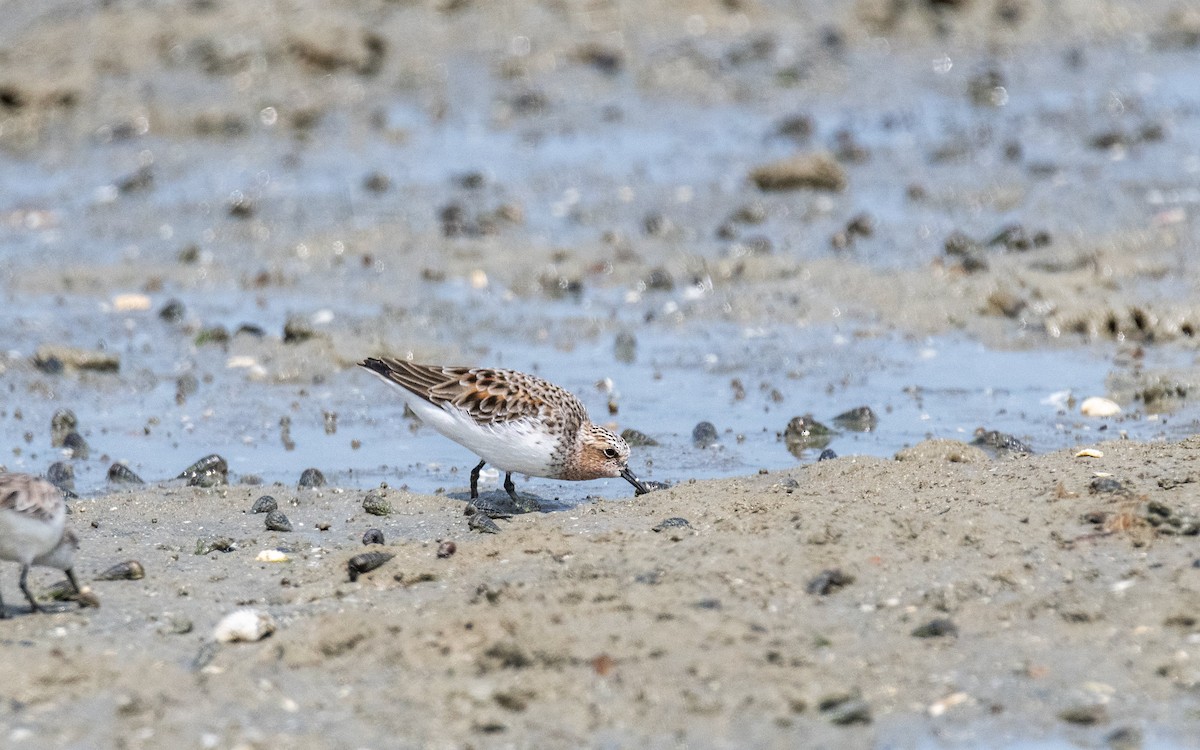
x=24 y=537
x=522 y=446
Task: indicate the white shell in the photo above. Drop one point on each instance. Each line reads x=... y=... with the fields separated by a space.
x=1099 y=407
x=244 y=625
x=1089 y=453
x=271 y=556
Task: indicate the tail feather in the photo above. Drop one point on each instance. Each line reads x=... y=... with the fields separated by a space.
x=415 y=378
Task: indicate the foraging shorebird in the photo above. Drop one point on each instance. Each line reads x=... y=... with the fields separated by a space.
x=519 y=423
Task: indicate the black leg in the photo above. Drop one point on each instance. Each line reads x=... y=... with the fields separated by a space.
x=475 y=480
x=74 y=584
x=511 y=488
x=33 y=605
x=3 y=611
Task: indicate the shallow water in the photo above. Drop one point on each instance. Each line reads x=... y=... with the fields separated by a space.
x=683 y=374
x=588 y=165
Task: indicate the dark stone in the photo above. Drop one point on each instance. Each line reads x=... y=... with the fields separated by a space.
x=704 y=435
x=828 y=581
x=936 y=629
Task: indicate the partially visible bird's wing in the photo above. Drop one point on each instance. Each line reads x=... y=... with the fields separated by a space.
x=30 y=496
x=488 y=395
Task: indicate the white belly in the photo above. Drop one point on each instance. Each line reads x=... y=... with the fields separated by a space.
x=519 y=446
x=23 y=538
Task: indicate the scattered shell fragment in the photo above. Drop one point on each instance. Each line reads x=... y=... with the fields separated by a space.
x=373 y=536
x=365 y=563
x=130 y=570
x=818 y=171
x=376 y=504
x=1089 y=453
x=63 y=591
x=1001 y=442
x=276 y=521
x=675 y=522
x=264 y=504
x=937 y=708
x=244 y=625
x=51 y=358
x=214 y=544
x=207 y=472
x=271 y=556
x=481 y=523
x=130 y=302
x=1097 y=406
x=119 y=473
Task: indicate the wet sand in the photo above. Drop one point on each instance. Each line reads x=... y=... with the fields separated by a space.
x=388 y=175
x=585 y=627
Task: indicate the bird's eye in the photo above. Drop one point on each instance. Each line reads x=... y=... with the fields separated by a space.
x=610 y=452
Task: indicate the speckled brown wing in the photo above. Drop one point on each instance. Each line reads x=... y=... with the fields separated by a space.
x=489 y=395
x=29 y=496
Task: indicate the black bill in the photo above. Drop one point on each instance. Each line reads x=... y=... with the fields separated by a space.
x=638 y=487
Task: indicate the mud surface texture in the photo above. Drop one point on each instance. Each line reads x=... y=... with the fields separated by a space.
x=735 y=212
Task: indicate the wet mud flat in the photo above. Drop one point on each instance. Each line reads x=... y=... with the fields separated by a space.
x=785 y=208
x=940 y=598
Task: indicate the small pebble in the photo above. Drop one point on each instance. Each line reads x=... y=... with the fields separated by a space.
x=674 y=522
x=376 y=504
x=999 y=441
x=828 y=581
x=373 y=536
x=446 y=549
x=1084 y=715
x=312 y=478
x=936 y=629
x=1099 y=407
x=704 y=435
x=827 y=455
x=62 y=423
x=264 y=504
x=61 y=475
x=625 y=347
x=244 y=625
x=637 y=439
x=276 y=521
x=1110 y=485
x=75 y=443
x=297 y=329
x=172 y=312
